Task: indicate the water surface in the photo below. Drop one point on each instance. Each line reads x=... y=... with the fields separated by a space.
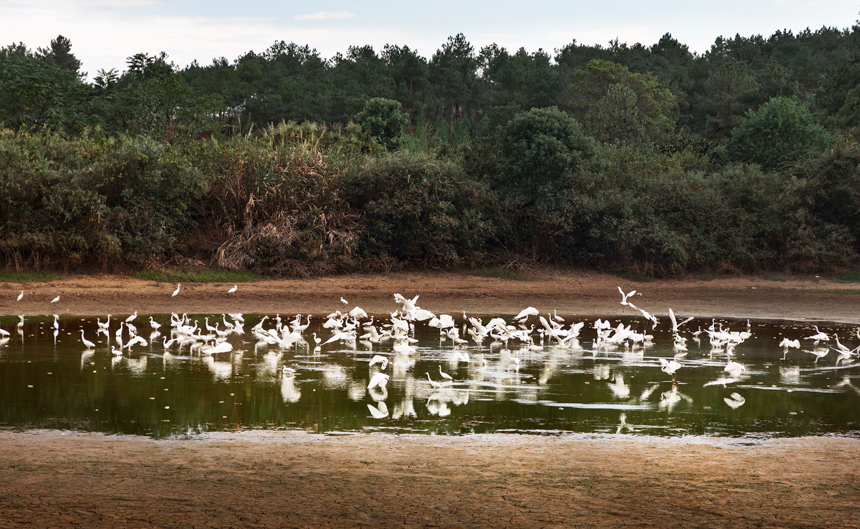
x=49 y=380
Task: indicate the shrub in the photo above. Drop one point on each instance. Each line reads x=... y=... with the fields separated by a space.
x=275 y=208
x=419 y=209
x=383 y=119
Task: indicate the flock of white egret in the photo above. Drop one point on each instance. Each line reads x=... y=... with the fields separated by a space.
x=472 y=340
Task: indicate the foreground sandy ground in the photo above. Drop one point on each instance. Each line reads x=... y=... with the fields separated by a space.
x=297 y=479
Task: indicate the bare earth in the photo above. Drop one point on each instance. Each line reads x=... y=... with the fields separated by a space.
x=298 y=479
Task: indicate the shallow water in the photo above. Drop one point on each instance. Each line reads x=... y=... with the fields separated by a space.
x=49 y=380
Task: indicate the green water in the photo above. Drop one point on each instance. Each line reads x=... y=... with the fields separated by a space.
x=50 y=381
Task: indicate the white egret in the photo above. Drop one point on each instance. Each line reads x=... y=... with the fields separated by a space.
x=56 y=299
x=88 y=344
x=358 y=313
x=669 y=367
x=734 y=369
x=20 y=296
x=433 y=383
x=625 y=297
x=525 y=313
x=232 y=289
x=818 y=336
x=131 y=318
x=176 y=292
x=445 y=375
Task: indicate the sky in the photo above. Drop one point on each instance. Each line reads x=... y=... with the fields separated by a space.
x=104 y=33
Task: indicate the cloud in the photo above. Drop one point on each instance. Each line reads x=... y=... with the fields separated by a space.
x=325 y=15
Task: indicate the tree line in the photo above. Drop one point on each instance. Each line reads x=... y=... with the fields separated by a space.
x=650 y=158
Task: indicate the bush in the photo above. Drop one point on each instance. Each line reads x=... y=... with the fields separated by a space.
x=149 y=188
x=275 y=208
x=383 y=119
x=419 y=209
x=50 y=214
x=833 y=181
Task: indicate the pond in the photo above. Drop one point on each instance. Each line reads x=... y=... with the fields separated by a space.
x=518 y=382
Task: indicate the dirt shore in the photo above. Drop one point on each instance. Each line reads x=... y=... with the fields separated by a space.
x=297 y=479
x=570 y=293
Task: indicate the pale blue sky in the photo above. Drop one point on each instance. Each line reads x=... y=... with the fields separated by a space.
x=104 y=33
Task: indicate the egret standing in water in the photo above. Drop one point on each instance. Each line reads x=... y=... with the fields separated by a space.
x=88 y=344
x=669 y=367
x=433 y=383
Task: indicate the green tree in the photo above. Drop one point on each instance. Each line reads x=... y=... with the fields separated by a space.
x=654 y=103
x=616 y=118
x=408 y=70
x=779 y=133
x=383 y=119
x=36 y=92
x=152 y=98
x=355 y=77
x=538 y=149
x=60 y=53
x=453 y=72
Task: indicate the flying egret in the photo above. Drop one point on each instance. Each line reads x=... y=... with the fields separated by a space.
x=675 y=324
x=669 y=367
x=625 y=297
x=357 y=313
x=525 y=313
x=88 y=344
x=176 y=292
x=818 y=336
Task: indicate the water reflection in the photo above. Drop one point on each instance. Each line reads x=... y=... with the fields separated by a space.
x=195 y=373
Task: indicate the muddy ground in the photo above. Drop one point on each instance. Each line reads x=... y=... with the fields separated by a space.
x=298 y=479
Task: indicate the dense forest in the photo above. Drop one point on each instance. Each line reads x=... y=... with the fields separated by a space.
x=651 y=159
